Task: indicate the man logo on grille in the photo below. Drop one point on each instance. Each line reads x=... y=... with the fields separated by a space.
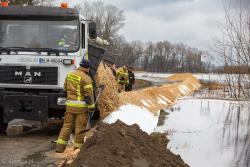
x=27 y=80
x=35 y=74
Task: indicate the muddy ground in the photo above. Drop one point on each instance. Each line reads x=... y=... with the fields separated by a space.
x=31 y=149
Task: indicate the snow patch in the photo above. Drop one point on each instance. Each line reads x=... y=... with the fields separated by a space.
x=131 y=114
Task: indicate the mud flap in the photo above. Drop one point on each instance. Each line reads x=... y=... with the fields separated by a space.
x=29 y=107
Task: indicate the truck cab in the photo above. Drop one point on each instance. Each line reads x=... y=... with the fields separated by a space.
x=38 y=47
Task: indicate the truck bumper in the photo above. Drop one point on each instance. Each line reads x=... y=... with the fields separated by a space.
x=20 y=105
x=25 y=107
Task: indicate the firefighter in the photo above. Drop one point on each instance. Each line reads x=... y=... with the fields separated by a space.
x=80 y=102
x=62 y=41
x=69 y=40
x=122 y=78
x=131 y=76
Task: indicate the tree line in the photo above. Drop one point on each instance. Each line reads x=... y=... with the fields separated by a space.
x=161 y=56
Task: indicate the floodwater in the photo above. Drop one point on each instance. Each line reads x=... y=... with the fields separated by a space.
x=143 y=82
x=209 y=133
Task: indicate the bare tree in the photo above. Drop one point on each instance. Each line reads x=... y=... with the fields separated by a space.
x=235 y=48
x=130 y=53
x=109 y=18
x=148 y=57
x=43 y=2
x=32 y=2
x=166 y=57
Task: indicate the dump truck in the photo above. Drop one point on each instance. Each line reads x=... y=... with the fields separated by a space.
x=38 y=47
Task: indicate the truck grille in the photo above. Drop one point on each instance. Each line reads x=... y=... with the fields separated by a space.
x=32 y=75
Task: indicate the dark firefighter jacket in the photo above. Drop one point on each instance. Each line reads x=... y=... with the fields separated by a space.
x=131 y=76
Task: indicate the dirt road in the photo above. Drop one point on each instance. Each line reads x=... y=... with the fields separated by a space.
x=31 y=149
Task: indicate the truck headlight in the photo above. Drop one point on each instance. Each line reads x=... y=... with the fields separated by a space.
x=61 y=101
x=68 y=61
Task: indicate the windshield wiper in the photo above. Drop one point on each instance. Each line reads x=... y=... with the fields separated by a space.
x=53 y=50
x=16 y=49
x=3 y=49
x=37 y=50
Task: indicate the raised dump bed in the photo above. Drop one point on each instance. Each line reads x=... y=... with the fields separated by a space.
x=97 y=53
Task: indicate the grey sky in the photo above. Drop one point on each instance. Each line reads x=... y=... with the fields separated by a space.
x=193 y=22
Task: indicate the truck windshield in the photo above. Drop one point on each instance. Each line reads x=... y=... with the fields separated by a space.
x=40 y=35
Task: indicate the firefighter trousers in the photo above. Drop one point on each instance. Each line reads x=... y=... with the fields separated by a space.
x=77 y=121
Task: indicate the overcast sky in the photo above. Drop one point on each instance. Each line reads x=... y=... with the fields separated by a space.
x=193 y=22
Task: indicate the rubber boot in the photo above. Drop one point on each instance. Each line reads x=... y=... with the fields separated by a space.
x=60 y=148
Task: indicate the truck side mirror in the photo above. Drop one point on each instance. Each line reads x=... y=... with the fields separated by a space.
x=92 y=30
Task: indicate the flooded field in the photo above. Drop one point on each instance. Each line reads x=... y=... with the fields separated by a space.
x=209 y=133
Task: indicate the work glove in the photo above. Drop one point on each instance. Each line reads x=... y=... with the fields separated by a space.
x=87 y=99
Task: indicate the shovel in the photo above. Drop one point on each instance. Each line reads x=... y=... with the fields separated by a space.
x=90 y=115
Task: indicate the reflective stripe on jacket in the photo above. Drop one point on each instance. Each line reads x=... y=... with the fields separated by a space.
x=79 y=85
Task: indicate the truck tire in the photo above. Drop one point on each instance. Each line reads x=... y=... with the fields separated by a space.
x=3 y=126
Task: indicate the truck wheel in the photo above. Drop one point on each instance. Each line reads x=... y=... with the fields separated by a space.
x=3 y=126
